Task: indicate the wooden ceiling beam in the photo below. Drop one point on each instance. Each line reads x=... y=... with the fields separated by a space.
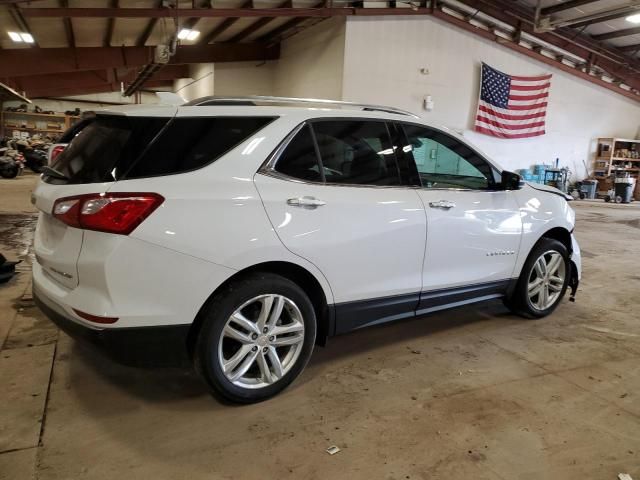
x=258 y=24
x=68 y=26
x=212 y=12
x=111 y=25
x=274 y=34
x=225 y=25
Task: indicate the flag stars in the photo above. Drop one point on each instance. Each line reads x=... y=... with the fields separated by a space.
x=495 y=87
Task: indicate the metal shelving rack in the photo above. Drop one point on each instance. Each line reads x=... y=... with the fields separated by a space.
x=609 y=158
x=30 y=122
x=616 y=155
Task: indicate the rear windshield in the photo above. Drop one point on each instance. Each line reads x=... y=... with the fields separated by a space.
x=115 y=147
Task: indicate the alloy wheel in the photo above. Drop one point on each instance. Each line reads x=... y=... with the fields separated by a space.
x=261 y=341
x=546 y=280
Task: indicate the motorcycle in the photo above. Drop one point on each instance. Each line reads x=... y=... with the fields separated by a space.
x=11 y=163
x=36 y=160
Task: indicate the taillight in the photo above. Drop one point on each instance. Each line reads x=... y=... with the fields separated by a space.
x=117 y=213
x=55 y=151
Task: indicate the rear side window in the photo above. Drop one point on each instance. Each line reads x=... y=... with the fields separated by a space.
x=105 y=148
x=299 y=160
x=114 y=147
x=356 y=152
x=191 y=143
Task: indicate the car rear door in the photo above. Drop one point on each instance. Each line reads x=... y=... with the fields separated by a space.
x=335 y=197
x=473 y=227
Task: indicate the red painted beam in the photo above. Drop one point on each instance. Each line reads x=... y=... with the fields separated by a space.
x=215 y=12
x=105 y=88
x=92 y=78
x=561 y=7
x=605 y=59
x=257 y=25
x=274 y=35
x=224 y=25
x=22 y=62
x=533 y=54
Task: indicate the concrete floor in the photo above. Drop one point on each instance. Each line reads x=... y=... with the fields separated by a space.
x=469 y=394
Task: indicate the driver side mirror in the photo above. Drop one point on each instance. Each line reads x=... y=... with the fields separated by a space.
x=511 y=181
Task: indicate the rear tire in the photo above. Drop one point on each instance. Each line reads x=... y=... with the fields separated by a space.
x=256 y=338
x=543 y=281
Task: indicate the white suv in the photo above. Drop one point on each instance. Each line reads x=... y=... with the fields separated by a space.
x=237 y=233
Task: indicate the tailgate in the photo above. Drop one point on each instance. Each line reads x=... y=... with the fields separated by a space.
x=57 y=245
x=100 y=151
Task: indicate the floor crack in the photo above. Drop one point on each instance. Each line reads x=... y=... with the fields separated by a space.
x=12 y=450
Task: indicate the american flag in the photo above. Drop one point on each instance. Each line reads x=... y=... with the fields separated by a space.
x=511 y=106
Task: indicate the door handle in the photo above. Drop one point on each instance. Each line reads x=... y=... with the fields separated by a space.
x=305 y=202
x=445 y=204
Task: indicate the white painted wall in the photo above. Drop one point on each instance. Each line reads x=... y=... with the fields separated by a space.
x=311 y=62
x=383 y=58
x=200 y=83
x=245 y=78
x=310 y=65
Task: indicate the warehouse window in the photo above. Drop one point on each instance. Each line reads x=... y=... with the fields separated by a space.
x=299 y=160
x=356 y=152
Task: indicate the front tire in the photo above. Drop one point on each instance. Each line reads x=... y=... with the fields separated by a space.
x=257 y=336
x=543 y=281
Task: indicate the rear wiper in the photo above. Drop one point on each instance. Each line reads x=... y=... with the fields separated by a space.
x=52 y=172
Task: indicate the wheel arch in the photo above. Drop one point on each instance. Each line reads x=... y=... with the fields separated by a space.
x=297 y=274
x=561 y=234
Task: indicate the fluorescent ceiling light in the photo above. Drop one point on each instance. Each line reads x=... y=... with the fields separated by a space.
x=188 y=34
x=634 y=18
x=15 y=36
x=27 y=37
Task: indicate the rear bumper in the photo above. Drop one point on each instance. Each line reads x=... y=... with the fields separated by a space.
x=138 y=346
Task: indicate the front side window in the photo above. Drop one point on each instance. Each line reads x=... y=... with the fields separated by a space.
x=444 y=162
x=356 y=152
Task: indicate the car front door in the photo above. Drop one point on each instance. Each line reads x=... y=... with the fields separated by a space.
x=335 y=196
x=473 y=226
